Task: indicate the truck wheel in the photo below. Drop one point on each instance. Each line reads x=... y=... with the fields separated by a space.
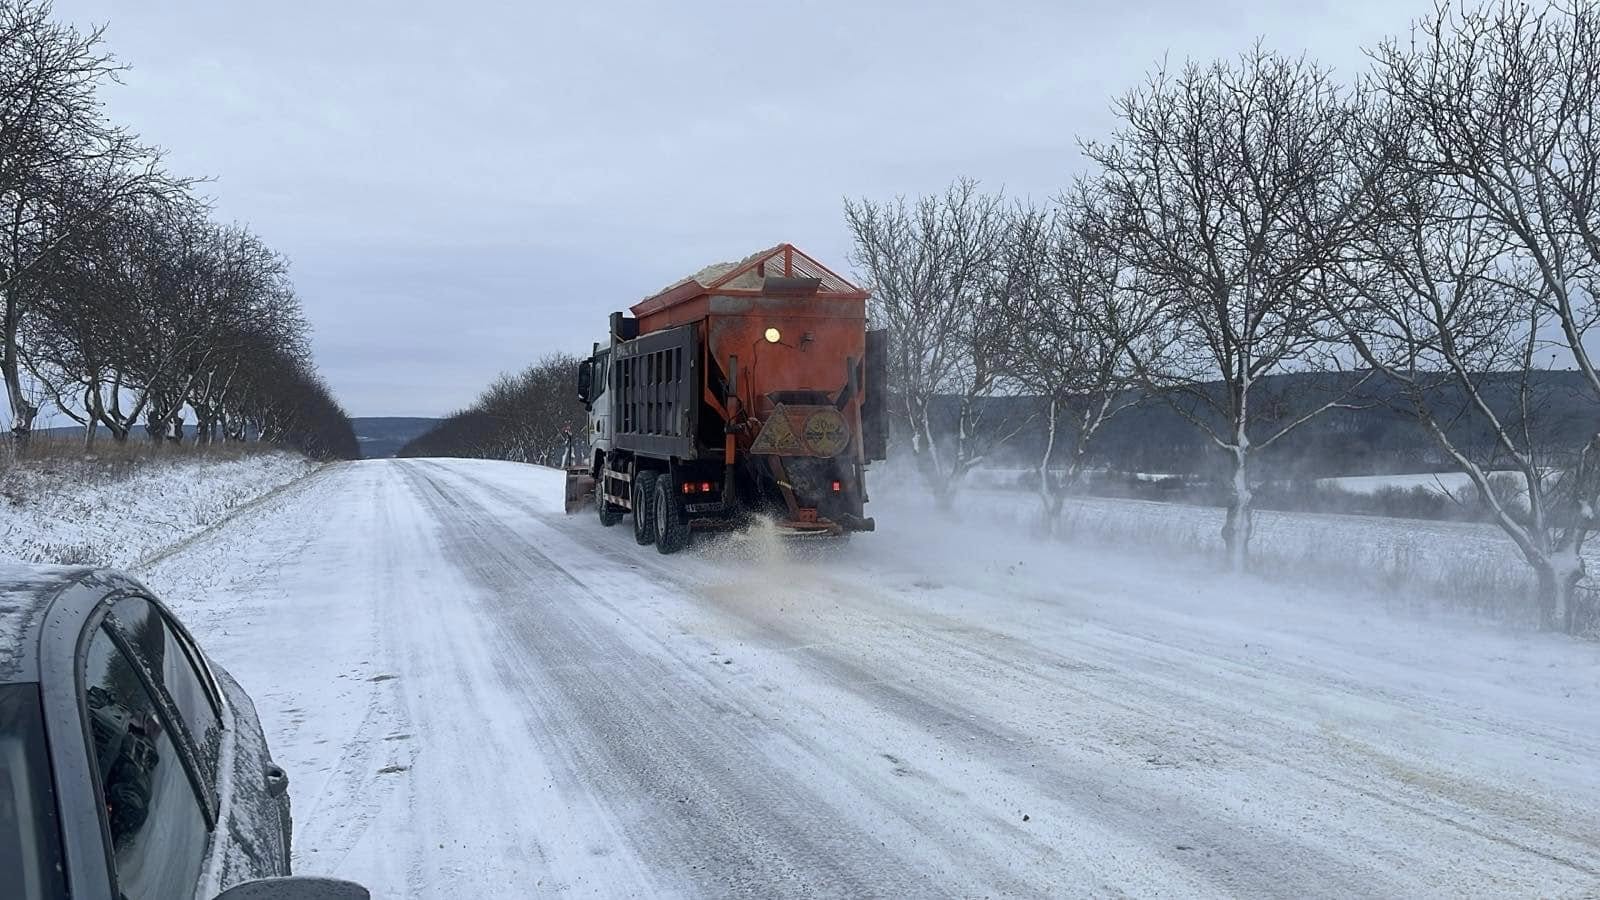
x=610 y=513
x=672 y=520
x=644 y=510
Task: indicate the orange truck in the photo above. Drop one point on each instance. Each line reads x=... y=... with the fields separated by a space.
x=747 y=389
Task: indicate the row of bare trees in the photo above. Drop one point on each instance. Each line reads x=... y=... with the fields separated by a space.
x=122 y=305
x=532 y=416
x=983 y=298
x=1434 y=227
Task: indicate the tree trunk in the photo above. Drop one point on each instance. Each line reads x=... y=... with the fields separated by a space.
x=118 y=424
x=925 y=453
x=1049 y=496
x=964 y=460
x=1558 y=577
x=22 y=412
x=1240 y=524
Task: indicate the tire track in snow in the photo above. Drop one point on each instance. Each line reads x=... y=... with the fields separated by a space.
x=696 y=800
x=1240 y=859
x=1100 y=801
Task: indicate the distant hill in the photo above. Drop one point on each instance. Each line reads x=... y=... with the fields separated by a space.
x=383 y=436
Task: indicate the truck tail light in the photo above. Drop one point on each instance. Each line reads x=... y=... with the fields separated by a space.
x=705 y=487
x=837 y=487
x=688 y=487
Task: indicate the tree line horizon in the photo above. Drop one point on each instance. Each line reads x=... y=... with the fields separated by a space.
x=123 y=305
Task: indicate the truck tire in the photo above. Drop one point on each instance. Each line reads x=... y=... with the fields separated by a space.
x=644 y=510
x=610 y=513
x=672 y=520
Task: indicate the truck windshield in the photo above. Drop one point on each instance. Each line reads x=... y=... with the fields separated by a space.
x=31 y=867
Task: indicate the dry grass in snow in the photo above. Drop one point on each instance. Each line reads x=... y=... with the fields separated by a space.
x=116 y=508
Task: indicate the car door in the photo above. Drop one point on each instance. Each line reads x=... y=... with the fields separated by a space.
x=32 y=866
x=156 y=815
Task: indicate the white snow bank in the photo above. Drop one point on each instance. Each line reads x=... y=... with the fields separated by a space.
x=115 y=512
x=1436 y=482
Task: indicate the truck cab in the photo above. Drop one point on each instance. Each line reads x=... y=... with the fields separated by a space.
x=593 y=374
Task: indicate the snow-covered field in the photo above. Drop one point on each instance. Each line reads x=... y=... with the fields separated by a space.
x=1436 y=482
x=117 y=511
x=1418 y=565
x=476 y=696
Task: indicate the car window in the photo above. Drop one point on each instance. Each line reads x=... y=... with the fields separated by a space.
x=601 y=375
x=30 y=834
x=168 y=658
x=158 y=830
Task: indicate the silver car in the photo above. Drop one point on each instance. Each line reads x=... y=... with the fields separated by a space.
x=130 y=765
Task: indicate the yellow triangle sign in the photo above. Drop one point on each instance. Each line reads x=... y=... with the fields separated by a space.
x=777 y=436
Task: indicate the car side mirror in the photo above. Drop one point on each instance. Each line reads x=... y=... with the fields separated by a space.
x=296 y=887
x=585 y=376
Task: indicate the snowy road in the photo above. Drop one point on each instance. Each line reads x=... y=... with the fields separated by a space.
x=476 y=696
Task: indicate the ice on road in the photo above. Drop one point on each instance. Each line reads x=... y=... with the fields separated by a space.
x=477 y=696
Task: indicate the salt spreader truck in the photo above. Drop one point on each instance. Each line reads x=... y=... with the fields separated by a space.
x=747 y=389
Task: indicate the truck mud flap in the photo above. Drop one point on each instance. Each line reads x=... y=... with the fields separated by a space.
x=874 y=403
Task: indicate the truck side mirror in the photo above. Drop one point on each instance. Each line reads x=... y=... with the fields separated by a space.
x=296 y=887
x=585 y=376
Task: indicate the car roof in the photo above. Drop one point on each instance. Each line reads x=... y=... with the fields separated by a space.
x=26 y=592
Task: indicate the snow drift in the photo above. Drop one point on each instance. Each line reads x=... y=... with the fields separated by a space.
x=118 y=511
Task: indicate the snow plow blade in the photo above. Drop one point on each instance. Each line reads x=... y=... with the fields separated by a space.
x=580 y=489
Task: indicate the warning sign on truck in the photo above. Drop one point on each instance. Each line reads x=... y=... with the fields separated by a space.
x=803 y=431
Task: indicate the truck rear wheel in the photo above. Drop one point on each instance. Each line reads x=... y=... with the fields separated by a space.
x=672 y=520
x=644 y=510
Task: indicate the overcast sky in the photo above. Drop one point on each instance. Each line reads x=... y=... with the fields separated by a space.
x=464 y=186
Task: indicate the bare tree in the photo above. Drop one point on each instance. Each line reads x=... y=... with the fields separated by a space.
x=155 y=312
x=1066 y=309
x=931 y=268
x=250 y=304
x=86 y=322
x=61 y=162
x=119 y=299
x=1227 y=188
x=1484 y=256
